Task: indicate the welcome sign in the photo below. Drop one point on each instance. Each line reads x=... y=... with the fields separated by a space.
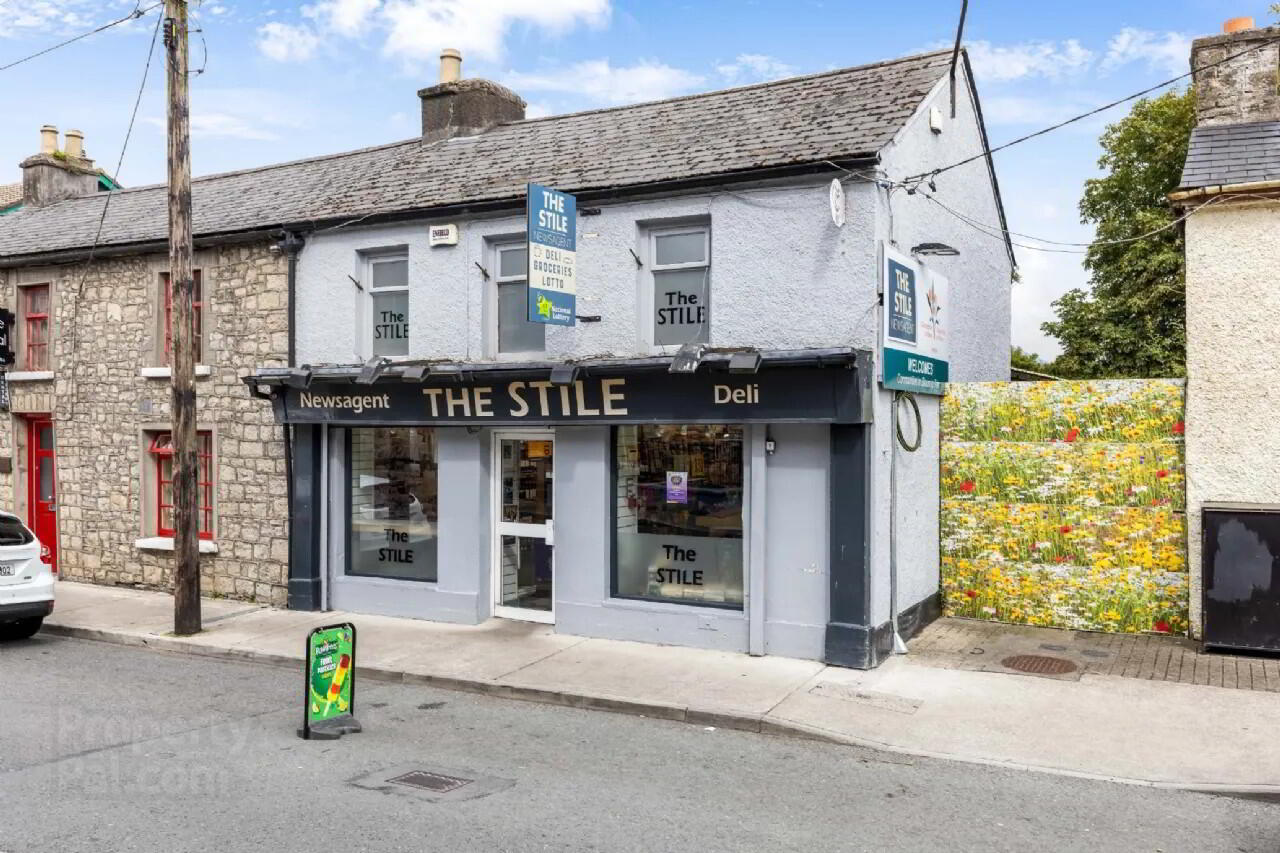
x=915 y=351
x=553 y=256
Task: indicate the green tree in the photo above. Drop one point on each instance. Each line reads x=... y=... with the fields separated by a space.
x=1131 y=321
x=1023 y=360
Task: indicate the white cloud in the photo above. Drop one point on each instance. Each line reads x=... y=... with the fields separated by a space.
x=344 y=17
x=603 y=83
x=1167 y=52
x=1002 y=63
x=20 y=18
x=754 y=68
x=287 y=42
x=245 y=113
x=416 y=30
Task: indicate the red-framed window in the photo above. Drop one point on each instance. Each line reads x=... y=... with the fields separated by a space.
x=35 y=331
x=161 y=452
x=197 y=317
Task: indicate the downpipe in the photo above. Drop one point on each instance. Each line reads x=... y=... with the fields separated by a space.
x=899 y=645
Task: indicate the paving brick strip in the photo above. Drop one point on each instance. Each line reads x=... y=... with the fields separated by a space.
x=980 y=646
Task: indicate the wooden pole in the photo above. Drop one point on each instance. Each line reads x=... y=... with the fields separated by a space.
x=186 y=515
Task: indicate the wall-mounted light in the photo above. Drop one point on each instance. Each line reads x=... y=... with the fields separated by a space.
x=414 y=373
x=745 y=362
x=373 y=368
x=564 y=374
x=299 y=377
x=940 y=250
x=687 y=359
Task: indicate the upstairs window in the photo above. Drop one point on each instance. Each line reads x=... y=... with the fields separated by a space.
x=681 y=264
x=197 y=317
x=35 y=327
x=388 y=289
x=161 y=454
x=516 y=334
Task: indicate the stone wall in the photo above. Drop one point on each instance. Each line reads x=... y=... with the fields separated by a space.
x=1247 y=88
x=103 y=405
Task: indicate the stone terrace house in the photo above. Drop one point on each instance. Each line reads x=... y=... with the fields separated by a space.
x=84 y=448
x=703 y=458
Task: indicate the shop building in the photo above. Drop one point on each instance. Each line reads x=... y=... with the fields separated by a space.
x=453 y=461
x=85 y=454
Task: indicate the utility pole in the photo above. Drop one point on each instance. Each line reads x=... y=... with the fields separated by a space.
x=186 y=516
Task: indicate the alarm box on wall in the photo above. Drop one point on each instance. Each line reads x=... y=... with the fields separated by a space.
x=1240 y=556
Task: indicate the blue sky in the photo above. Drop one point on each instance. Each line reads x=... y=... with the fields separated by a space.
x=287 y=80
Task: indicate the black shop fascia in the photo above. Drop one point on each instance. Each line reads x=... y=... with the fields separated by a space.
x=816 y=386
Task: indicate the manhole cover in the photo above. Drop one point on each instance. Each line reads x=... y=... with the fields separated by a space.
x=437 y=782
x=1039 y=664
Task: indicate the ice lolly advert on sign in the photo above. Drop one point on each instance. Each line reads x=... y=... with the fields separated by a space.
x=553 y=244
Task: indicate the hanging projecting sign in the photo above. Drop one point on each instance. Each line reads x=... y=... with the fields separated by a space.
x=914 y=349
x=553 y=244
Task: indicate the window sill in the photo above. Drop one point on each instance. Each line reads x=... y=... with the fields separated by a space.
x=165 y=373
x=165 y=543
x=30 y=375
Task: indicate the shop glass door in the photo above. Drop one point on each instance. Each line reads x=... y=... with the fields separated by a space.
x=42 y=500
x=524 y=536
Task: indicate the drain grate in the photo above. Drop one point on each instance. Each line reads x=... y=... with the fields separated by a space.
x=436 y=782
x=1039 y=664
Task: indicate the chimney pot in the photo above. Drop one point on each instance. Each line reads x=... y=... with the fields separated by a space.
x=1238 y=25
x=450 y=65
x=48 y=139
x=75 y=144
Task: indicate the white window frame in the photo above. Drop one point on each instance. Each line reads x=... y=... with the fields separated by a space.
x=704 y=228
x=497 y=247
x=365 y=332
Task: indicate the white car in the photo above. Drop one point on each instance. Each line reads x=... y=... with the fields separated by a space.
x=26 y=580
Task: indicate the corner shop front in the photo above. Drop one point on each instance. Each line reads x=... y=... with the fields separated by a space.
x=714 y=509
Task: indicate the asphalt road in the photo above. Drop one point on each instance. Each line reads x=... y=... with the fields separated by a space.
x=107 y=749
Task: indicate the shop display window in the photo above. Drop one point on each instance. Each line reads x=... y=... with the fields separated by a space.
x=393 y=504
x=678 y=528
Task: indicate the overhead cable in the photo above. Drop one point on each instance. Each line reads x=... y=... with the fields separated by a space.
x=137 y=12
x=925 y=175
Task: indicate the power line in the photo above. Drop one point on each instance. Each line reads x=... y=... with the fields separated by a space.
x=1000 y=233
x=1093 y=112
x=132 y=16
x=106 y=202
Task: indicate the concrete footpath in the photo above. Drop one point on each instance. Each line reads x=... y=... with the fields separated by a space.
x=1093 y=725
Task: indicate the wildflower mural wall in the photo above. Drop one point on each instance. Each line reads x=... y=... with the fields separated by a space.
x=1063 y=504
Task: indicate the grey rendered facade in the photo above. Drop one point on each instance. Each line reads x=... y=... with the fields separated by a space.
x=782 y=277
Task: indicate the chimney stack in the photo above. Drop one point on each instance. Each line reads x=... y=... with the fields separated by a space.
x=53 y=175
x=1240 y=90
x=458 y=107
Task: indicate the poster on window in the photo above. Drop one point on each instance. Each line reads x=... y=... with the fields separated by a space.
x=553 y=244
x=677 y=487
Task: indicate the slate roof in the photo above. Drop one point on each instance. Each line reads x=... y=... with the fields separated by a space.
x=10 y=194
x=1233 y=154
x=837 y=115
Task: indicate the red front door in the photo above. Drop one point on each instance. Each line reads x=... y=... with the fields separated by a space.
x=41 y=496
